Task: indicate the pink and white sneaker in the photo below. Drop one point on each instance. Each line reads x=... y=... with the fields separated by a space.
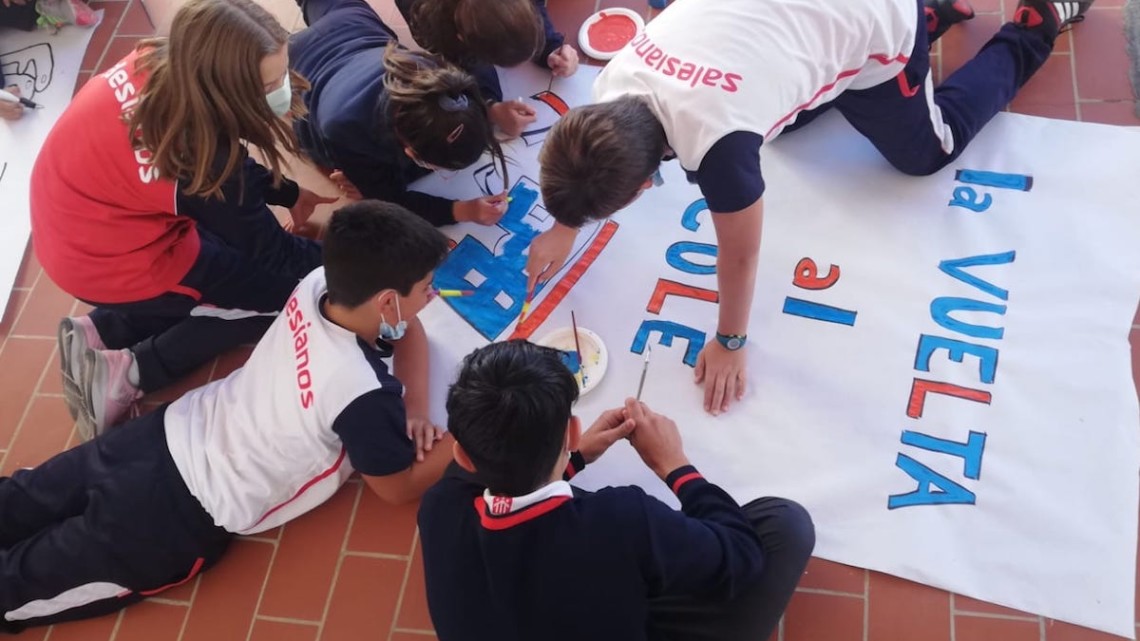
x=76 y=335
x=110 y=395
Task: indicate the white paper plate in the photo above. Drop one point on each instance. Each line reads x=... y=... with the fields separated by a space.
x=584 y=37
x=595 y=358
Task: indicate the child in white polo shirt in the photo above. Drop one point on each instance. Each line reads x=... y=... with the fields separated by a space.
x=149 y=505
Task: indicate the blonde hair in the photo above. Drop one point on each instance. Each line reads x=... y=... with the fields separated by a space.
x=436 y=109
x=596 y=158
x=205 y=96
x=498 y=32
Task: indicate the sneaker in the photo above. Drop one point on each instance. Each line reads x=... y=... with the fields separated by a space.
x=76 y=335
x=110 y=395
x=943 y=14
x=1053 y=16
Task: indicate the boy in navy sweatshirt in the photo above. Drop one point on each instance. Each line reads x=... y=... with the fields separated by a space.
x=529 y=557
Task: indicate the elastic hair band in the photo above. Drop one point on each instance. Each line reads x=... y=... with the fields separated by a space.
x=457 y=103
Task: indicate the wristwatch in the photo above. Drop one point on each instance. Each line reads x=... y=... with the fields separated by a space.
x=731 y=342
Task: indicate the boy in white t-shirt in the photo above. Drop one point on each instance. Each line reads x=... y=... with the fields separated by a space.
x=708 y=82
x=149 y=505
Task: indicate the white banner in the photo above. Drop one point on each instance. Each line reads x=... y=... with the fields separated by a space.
x=45 y=67
x=938 y=367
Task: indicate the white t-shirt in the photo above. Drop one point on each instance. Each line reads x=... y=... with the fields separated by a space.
x=279 y=436
x=712 y=67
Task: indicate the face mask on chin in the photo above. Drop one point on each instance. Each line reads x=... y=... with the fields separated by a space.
x=389 y=333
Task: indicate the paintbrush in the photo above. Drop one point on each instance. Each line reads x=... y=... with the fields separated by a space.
x=578 y=348
x=525 y=307
x=644 y=370
x=454 y=293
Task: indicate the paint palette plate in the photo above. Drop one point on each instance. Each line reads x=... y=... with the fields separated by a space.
x=606 y=32
x=594 y=355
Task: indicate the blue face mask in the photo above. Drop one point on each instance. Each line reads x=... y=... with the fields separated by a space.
x=281 y=99
x=389 y=333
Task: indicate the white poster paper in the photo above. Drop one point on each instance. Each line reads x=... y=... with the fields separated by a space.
x=938 y=367
x=45 y=67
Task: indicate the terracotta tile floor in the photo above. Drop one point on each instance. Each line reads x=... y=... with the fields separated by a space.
x=351 y=569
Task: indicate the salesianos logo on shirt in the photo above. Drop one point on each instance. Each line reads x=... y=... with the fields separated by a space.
x=694 y=74
x=298 y=325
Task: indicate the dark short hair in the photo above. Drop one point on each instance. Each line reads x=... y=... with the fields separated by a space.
x=597 y=157
x=501 y=32
x=372 y=245
x=508 y=410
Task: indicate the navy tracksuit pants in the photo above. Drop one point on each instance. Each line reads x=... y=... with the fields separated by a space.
x=99 y=527
x=899 y=116
x=225 y=300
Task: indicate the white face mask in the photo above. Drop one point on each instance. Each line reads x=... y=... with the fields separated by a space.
x=281 y=99
x=389 y=333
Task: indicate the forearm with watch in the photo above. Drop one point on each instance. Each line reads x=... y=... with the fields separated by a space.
x=738 y=250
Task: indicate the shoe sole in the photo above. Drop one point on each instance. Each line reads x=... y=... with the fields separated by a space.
x=85 y=423
x=72 y=345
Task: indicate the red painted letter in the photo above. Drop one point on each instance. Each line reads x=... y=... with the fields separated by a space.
x=807 y=275
x=666 y=287
x=921 y=386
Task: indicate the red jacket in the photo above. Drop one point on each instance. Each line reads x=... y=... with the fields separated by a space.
x=105 y=226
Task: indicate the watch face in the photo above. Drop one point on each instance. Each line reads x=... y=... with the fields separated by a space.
x=734 y=344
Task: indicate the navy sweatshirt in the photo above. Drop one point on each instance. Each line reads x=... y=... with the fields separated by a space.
x=577 y=567
x=347 y=128
x=486 y=75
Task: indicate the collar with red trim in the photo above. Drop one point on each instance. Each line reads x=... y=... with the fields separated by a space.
x=502 y=512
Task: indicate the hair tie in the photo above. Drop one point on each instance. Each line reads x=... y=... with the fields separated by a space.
x=457 y=103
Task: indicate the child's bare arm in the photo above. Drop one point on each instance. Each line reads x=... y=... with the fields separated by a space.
x=410 y=360
x=410 y=484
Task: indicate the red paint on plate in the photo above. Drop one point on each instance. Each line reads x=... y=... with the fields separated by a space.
x=611 y=32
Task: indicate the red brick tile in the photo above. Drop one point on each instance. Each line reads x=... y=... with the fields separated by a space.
x=136 y=22
x=16 y=302
x=278 y=631
x=1102 y=60
x=193 y=380
x=828 y=575
x=901 y=610
x=966 y=604
x=44 y=434
x=640 y=7
x=964 y=40
x=231 y=361
x=1061 y=631
x=35 y=634
x=112 y=12
x=986 y=6
x=968 y=628
x=1058 y=112
x=411 y=636
x=52 y=382
x=184 y=592
x=568 y=16
x=118 y=49
x=306 y=560
x=819 y=617
x=1111 y=113
x=29 y=269
x=22 y=360
x=380 y=527
x=150 y=621
x=414 y=610
x=47 y=304
x=1051 y=85
x=364 y=598
x=98 y=629
x=227 y=596
x=1064 y=43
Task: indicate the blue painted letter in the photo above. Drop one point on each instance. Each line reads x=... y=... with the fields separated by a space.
x=952 y=268
x=940 y=309
x=668 y=331
x=970 y=452
x=987 y=356
x=933 y=488
x=968 y=198
x=675 y=256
